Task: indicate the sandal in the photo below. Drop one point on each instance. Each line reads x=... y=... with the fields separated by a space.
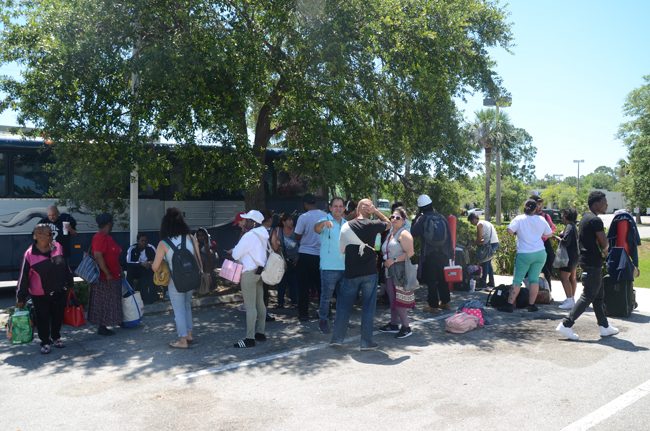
x=46 y=349
x=59 y=344
x=243 y=344
x=178 y=345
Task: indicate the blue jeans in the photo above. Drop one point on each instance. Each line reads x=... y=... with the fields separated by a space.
x=182 y=306
x=347 y=295
x=488 y=271
x=329 y=279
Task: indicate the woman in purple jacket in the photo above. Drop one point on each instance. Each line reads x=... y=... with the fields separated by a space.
x=45 y=277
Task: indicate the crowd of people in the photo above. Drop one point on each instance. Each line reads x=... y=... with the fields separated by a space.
x=342 y=253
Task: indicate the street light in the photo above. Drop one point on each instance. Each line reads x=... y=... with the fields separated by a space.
x=503 y=102
x=578 y=162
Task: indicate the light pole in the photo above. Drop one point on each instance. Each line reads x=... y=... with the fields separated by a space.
x=578 y=162
x=503 y=102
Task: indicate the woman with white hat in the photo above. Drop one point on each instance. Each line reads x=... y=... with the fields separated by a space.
x=250 y=251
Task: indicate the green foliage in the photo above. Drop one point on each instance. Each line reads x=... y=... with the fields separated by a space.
x=504 y=260
x=82 y=291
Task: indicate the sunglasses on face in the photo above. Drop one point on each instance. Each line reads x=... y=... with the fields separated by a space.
x=394 y=217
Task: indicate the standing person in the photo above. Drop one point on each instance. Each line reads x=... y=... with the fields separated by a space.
x=174 y=232
x=332 y=261
x=396 y=249
x=250 y=251
x=435 y=252
x=289 y=245
x=63 y=226
x=208 y=252
x=531 y=255
x=593 y=248
x=105 y=299
x=139 y=258
x=357 y=242
x=569 y=238
x=485 y=234
x=45 y=277
x=308 y=254
x=547 y=270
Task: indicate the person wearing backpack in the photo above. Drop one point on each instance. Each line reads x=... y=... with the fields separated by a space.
x=435 y=251
x=180 y=250
x=251 y=252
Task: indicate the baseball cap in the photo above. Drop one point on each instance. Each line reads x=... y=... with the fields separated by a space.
x=254 y=215
x=238 y=218
x=423 y=200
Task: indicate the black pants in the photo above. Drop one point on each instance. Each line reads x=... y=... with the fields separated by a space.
x=308 y=279
x=547 y=269
x=433 y=276
x=592 y=293
x=49 y=316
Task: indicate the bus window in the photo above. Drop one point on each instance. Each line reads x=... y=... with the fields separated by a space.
x=29 y=177
x=3 y=175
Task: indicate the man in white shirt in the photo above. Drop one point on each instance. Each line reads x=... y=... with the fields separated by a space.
x=308 y=254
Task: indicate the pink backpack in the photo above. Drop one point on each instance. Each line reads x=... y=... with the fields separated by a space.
x=475 y=312
x=460 y=323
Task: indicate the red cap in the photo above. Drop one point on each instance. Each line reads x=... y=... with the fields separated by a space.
x=238 y=218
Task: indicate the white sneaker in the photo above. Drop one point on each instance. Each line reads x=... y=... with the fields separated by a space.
x=606 y=332
x=567 y=304
x=567 y=332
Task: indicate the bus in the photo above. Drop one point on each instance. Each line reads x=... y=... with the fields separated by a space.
x=23 y=202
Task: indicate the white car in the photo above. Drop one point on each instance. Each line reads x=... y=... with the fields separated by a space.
x=477 y=211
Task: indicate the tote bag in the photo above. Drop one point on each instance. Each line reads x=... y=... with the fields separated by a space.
x=88 y=269
x=561 y=257
x=73 y=313
x=132 y=306
x=231 y=271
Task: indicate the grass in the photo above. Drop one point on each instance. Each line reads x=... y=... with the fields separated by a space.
x=644 y=265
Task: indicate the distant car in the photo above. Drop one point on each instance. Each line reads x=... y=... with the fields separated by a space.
x=556 y=215
x=477 y=211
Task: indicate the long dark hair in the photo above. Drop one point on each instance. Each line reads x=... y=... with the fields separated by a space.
x=173 y=224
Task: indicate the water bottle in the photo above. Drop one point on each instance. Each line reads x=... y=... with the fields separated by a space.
x=472 y=285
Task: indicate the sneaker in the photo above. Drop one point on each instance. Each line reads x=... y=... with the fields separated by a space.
x=606 y=332
x=389 y=328
x=246 y=342
x=260 y=337
x=508 y=308
x=567 y=332
x=336 y=344
x=324 y=326
x=45 y=349
x=371 y=346
x=532 y=307
x=404 y=332
x=567 y=304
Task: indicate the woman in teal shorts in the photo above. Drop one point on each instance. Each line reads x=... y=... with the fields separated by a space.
x=531 y=254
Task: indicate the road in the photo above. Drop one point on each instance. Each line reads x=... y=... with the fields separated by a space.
x=513 y=374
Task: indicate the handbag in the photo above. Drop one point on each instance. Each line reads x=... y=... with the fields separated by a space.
x=132 y=306
x=231 y=270
x=404 y=298
x=19 y=327
x=274 y=268
x=73 y=313
x=561 y=256
x=88 y=269
x=206 y=284
x=412 y=282
x=161 y=277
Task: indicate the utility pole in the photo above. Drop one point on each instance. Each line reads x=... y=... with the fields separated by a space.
x=578 y=162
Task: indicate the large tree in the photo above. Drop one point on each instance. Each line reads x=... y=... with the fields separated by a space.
x=635 y=133
x=354 y=89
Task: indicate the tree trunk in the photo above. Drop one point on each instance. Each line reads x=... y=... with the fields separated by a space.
x=488 y=172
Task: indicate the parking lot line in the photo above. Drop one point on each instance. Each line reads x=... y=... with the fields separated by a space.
x=300 y=351
x=610 y=409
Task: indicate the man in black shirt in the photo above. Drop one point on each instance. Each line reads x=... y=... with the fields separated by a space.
x=357 y=240
x=593 y=247
x=63 y=227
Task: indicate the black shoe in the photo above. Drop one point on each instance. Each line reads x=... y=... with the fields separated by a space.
x=389 y=328
x=508 y=308
x=532 y=307
x=404 y=332
x=260 y=337
x=246 y=342
x=103 y=330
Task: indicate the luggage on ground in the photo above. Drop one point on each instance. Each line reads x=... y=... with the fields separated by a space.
x=461 y=322
x=620 y=297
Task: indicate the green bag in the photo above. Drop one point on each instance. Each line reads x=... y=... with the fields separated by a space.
x=19 y=328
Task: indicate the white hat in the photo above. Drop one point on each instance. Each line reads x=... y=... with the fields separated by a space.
x=254 y=215
x=423 y=200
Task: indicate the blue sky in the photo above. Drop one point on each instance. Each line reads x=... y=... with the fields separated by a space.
x=573 y=63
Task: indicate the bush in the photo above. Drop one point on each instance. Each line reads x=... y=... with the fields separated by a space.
x=82 y=290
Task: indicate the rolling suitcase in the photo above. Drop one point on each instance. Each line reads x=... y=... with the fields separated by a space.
x=620 y=297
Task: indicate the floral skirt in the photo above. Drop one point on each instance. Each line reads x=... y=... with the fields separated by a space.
x=105 y=303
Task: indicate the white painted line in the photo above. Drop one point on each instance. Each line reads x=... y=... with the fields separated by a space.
x=610 y=409
x=300 y=351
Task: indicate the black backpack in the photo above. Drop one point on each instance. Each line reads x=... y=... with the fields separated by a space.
x=185 y=269
x=498 y=296
x=436 y=233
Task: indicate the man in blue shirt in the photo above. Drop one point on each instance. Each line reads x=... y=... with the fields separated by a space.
x=332 y=261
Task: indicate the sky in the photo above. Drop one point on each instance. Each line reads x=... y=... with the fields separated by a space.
x=572 y=65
